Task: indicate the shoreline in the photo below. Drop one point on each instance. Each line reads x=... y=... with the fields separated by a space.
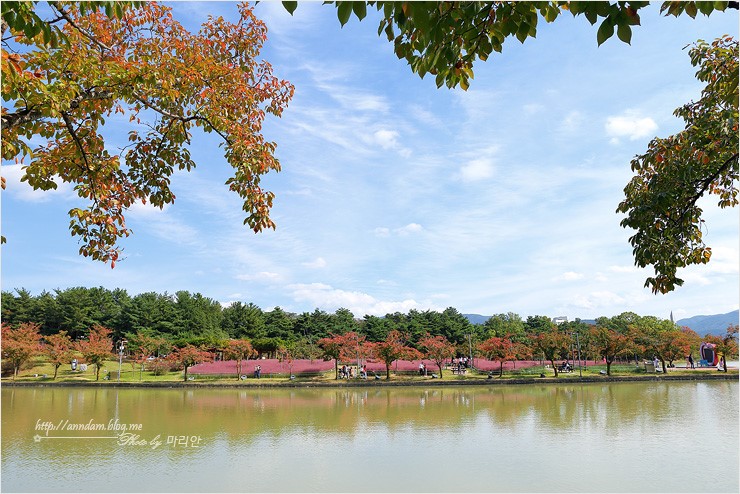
x=377 y=383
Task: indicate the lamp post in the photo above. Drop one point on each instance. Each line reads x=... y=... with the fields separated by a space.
x=121 y=347
x=470 y=348
x=578 y=343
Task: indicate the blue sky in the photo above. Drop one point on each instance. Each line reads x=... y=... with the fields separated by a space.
x=396 y=195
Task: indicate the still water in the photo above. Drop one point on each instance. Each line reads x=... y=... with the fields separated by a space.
x=619 y=437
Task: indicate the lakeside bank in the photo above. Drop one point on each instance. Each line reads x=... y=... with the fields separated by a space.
x=372 y=383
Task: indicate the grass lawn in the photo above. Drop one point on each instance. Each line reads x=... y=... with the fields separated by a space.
x=40 y=371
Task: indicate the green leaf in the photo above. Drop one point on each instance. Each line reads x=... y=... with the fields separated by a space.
x=522 y=32
x=606 y=31
x=290 y=6
x=551 y=13
x=360 y=9
x=705 y=8
x=691 y=9
x=344 y=10
x=624 y=32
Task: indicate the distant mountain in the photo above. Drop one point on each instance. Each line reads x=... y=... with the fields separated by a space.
x=716 y=324
x=476 y=318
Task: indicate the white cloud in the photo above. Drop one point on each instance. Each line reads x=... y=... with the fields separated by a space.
x=630 y=125
x=387 y=139
x=263 y=276
x=572 y=121
x=409 y=229
x=25 y=192
x=623 y=269
x=146 y=210
x=596 y=300
x=569 y=276
x=477 y=169
x=402 y=231
x=326 y=297
x=317 y=263
x=532 y=108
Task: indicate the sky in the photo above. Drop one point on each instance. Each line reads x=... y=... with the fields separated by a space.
x=396 y=195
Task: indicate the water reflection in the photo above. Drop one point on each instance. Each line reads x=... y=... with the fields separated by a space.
x=419 y=439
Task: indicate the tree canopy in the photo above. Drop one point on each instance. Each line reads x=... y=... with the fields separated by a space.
x=445 y=39
x=67 y=71
x=676 y=171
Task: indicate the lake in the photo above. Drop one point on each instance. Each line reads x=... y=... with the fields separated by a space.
x=610 y=437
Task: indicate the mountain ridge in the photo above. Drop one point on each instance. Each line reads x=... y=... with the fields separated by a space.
x=714 y=324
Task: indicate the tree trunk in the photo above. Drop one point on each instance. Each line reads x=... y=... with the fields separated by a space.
x=724 y=363
x=56 y=369
x=501 y=369
x=554 y=367
x=97 y=372
x=186 y=374
x=609 y=367
x=387 y=371
x=336 y=369
x=440 y=370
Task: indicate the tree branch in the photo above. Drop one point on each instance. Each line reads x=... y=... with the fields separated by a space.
x=31 y=113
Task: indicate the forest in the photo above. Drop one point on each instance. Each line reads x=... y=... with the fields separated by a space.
x=155 y=325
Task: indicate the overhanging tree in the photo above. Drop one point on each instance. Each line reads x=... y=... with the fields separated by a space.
x=445 y=39
x=144 y=66
x=661 y=200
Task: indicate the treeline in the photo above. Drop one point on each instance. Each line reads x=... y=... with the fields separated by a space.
x=187 y=318
x=182 y=319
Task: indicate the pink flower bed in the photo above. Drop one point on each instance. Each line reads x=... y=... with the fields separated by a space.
x=269 y=366
x=274 y=366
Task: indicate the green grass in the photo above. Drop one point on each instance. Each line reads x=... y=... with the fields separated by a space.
x=34 y=371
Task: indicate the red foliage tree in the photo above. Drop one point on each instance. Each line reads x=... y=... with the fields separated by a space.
x=20 y=344
x=437 y=349
x=346 y=347
x=332 y=348
x=97 y=348
x=609 y=344
x=164 y=80
x=392 y=349
x=552 y=344
x=239 y=350
x=143 y=347
x=59 y=349
x=498 y=349
x=188 y=356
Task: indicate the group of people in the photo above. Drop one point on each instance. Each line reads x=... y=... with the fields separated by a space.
x=348 y=372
